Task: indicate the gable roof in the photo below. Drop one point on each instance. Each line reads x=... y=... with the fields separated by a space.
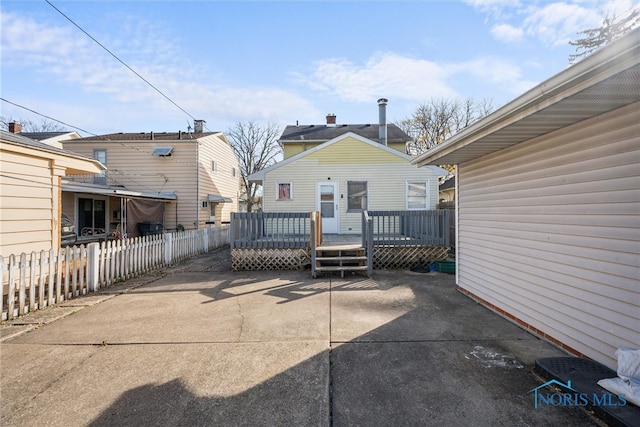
x=319 y=133
x=40 y=136
x=259 y=176
x=448 y=184
x=83 y=163
x=602 y=82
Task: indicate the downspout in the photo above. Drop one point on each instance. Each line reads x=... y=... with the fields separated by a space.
x=197 y=184
x=456 y=196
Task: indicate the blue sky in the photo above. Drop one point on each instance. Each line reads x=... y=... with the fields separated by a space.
x=276 y=62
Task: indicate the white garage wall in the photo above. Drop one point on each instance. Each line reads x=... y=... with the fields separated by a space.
x=549 y=233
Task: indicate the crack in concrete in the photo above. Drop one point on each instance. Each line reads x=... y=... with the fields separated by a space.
x=242 y=319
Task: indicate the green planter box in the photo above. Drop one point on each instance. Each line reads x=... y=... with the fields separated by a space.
x=446 y=266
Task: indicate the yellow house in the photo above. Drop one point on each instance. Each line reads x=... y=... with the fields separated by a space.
x=194 y=176
x=345 y=175
x=30 y=192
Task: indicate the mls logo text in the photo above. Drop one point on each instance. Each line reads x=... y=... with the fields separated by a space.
x=571 y=397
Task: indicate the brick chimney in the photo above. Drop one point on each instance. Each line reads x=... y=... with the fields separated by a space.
x=15 y=127
x=331 y=119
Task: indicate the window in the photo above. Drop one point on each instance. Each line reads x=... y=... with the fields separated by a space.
x=233 y=172
x=356 y=195
x=162 y=151
x=101 y=156
x=284 y=191
x=417 y=195
x=92 y=217
x=214 y=166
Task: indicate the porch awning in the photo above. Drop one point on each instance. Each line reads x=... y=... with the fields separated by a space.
x=74 y=187
x=214 y=198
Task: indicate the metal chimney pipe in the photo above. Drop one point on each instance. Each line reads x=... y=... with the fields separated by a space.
x=382 y=130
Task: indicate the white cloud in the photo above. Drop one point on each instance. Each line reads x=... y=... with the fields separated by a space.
x=507 y=33
x=385 y=74
x=554 y=23
x=558 y=23
x=106 y=89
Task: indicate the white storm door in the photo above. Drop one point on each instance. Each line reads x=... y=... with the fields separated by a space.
x=327 y=204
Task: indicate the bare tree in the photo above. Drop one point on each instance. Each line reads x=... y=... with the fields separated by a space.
x=256 y=147
x=31 y=126
x=612 y=27
x=436 y=120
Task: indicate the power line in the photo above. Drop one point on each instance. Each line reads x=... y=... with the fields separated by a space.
x=120 y=60
x=47 y=117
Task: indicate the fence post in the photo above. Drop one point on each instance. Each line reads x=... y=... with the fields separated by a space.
x=93 y=262
x=168 y=248
x=205 y=240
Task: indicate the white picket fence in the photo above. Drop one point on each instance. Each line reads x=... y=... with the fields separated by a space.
x=31 y=282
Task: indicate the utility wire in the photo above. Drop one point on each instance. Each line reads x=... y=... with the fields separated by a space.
x=119 y=60
x=47 y=117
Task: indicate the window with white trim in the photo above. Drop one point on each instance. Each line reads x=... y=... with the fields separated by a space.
x=417 y=195
x=100 y=155
x=357 y=195
x=284 y=191
x=214 y=166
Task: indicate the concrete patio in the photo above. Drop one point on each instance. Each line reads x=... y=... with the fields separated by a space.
x=199 y=344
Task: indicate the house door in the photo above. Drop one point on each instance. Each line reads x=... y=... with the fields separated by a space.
x=327 y=204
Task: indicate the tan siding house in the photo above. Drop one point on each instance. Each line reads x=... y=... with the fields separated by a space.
x=549 y=223
x=346 y=175
x=200 y=169
x=30 y=192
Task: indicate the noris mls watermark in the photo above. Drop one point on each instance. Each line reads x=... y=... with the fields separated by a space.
x=572 y=397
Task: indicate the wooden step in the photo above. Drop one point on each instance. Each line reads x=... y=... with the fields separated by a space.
x=342 y=268
x=342 y=258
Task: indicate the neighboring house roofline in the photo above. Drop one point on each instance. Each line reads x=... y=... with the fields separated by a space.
x=551 y=105
x=45 y=136
x=296 y=134
x=259 y=176
x=24 y=142
x=448 y=184
x=146 y=137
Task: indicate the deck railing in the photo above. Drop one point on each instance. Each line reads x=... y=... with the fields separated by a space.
x=266 y=230
x=410 y=228
x=367 y=240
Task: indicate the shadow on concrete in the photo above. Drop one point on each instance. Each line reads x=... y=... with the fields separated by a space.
x=445 y=361
x=294 y=398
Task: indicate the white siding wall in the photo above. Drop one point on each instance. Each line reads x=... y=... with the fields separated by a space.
x=386 y=186
x=221 y=181
x=131 y=164
x=27 y=208
x=549 y=231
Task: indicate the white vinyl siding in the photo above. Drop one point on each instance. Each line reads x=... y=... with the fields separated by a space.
x=132 y=164
x=27 y=210
x=225 y=182
x=386 y=187
x=549 y=232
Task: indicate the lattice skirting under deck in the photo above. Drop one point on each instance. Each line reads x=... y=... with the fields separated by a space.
x=269 y=259
x=405 y=257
